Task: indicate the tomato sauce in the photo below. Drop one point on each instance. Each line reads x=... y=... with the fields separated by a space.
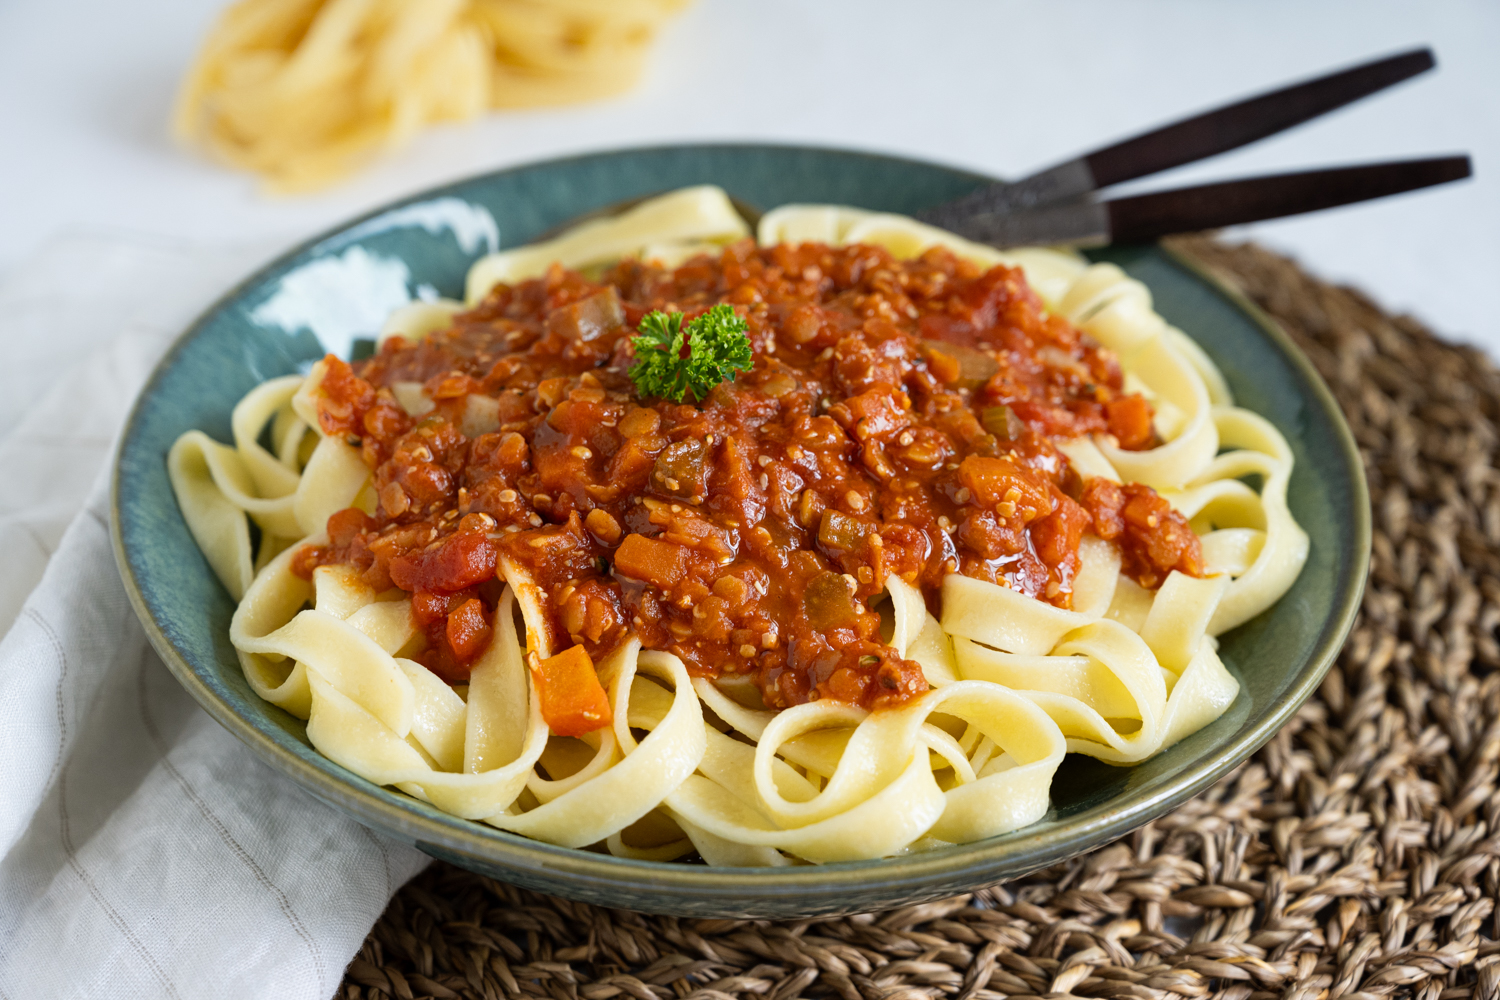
x=900 y=417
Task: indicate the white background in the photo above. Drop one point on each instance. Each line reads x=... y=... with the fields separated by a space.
x=1001 y=87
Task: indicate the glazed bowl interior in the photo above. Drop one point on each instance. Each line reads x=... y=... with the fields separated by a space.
x=329 y=293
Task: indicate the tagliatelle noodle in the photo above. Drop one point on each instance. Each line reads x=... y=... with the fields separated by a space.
x=288 y=499
x=1264 y=537
x=686 y=764
x=694 y=216
x=645 y=773
x=385 y=717
x=416 y=320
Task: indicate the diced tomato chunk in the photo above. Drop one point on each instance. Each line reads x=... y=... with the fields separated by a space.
x=308 y=558
x=572 y=699
x=458 y=630
x=463 y=559
x=1104 y=499
x=452 y=385
x=1056 y=536
x=343 y=525
x=1165 y=536
x=880 y=412
x=342 y=397
x=385 y=420
x=1154 y=539
x=429 y=607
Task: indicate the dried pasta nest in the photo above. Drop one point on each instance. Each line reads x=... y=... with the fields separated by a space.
x=305 y=91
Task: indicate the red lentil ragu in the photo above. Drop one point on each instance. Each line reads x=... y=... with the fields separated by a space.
x=900 y=417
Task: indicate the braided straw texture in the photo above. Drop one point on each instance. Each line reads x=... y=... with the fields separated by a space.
x=1356 y=855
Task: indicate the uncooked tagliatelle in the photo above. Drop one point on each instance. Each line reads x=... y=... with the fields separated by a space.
x=963 y=513
x=305 y=91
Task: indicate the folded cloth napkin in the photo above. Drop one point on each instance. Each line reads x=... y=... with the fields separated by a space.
x=144 y=851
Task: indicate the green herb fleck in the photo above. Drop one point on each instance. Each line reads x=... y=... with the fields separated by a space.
x=672 y=360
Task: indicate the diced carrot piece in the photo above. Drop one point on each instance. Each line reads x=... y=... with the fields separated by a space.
x=468 y=632
x=660 y=563
x=944 y=367
x=1145 y=509
x=1130 y=422
x=573 y=700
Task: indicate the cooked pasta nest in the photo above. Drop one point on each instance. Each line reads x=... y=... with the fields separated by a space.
x=684 y=768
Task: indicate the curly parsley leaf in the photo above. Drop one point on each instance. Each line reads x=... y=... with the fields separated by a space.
x=673 y=360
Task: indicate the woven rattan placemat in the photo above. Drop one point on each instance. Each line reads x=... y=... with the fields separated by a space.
x=1356 y=855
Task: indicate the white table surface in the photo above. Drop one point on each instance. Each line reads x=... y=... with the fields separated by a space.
x=1001 y=87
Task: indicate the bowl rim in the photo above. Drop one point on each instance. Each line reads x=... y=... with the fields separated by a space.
x=918 y=875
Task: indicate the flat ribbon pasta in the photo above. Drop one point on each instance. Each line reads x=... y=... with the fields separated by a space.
x=1118 y=694
x=691 y=764
x=882 y=791
x=385 y=717
x=289 y=495
x=1265 y=548
x=697 y=216
x=646 y=772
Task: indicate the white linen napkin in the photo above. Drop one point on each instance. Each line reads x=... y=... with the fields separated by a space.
x=144 y=851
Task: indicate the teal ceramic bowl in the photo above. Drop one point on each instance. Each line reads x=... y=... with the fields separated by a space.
x=338 y=287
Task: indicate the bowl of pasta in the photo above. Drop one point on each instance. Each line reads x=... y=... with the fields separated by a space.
x=723 y=563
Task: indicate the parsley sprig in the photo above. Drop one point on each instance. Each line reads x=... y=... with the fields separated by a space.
x=673 y=360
